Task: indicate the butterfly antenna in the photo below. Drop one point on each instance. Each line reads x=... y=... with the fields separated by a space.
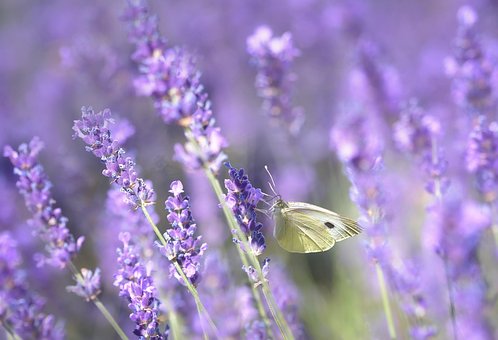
x=272 y=187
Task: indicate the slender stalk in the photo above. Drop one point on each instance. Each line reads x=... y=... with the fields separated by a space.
x=176 y=334
x=109 y=317
x=274 y=310
x=11 y=334
x=100 y=305
x=200 y=307
x=439 y=200
x=385 y=301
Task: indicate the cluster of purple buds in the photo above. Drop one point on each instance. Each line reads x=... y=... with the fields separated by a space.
x=87 y=285
x=94 y=130
x=273 y=58
x=470 y=69
x=169 y=76
x=35 y=186
x=375 y=82
x=136 y=285
x=359 y=148
x=182 y=246
x=417 y=132
x=21 y=309
x=242 y=198
x=482 y=158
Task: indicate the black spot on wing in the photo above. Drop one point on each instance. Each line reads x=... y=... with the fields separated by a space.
x=329 y=225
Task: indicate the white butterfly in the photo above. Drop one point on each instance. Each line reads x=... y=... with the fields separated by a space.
x=306 y=228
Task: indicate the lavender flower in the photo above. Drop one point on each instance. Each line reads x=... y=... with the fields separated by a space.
x=470 y=69
x=20 y=308
x=88 y=286
x=94 y=130
x=119 y=217
x=417 y=132
x=168 y=75
x=482 y=158
x=242 y=198
x=136 y=286
x=456 y=230
x=375 y=82
x=273 y=57
x=182 y=246
x=361 y=153
x=35 y=186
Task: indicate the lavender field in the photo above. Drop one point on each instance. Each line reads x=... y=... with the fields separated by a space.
x=150 y=148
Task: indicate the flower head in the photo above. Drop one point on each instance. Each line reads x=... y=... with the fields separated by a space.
x=93 y=128
x=34 y=185
x=470 y=69
x=182 y=246
x=136 y=286
x=169 y=76
x=20 y=308
x=88 y=286
x=242 y=198
x=273 y=58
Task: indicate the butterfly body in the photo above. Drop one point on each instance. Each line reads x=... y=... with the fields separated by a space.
x=306 y=228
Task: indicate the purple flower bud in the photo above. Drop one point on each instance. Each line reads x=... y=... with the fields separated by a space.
x=94 y=130
x=35 y=186
x=136 y=286
x=273 y=58
x=20 y=308
x=89 y=286
x=182 y=246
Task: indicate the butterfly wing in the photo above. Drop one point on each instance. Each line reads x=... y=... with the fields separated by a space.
x=339 y=227
x=307 y=228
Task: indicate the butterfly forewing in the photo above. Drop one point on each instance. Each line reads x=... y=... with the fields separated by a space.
x=297 y=235
x=307 y=228
x=340 y=227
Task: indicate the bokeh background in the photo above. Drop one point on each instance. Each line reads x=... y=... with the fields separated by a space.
x=57 y=56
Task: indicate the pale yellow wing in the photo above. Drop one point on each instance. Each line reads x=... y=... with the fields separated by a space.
x=339 y=226
x=306 y=228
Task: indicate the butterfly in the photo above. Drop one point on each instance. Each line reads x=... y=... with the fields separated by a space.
x=306 y=228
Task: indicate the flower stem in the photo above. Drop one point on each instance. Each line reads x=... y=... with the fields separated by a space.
x=439 y=201
x=201 y=310
x=385 y=301
x=274 y=310
x=11 y=334
x=100 y=305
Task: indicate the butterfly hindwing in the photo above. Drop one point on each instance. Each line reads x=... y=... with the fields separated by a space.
x=338 y=226
x=306 y=228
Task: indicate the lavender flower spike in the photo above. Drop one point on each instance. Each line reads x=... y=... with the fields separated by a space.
x=20 y=308
x=35 y=186
x=94 y=130
x=273 y=57
x=89 y=286
x=242 y=198
x=470 y=69
x=137 y=287
x=170 y=78
x=182 y=246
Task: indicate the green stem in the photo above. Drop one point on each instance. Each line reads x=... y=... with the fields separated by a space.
x=11 y=334
x=200 y=307
x=439 y=200
x=494 y=224
x=385 y=301
x=274 y=310
x=109 y=318
x=99 y=305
